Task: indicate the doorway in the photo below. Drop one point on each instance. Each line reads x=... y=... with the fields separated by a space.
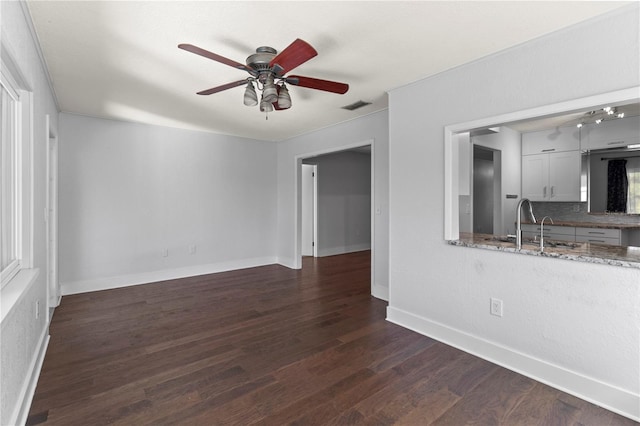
x=311 y=158
x=486 y=190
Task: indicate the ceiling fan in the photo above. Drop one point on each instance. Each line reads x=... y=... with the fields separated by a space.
x=267 y=68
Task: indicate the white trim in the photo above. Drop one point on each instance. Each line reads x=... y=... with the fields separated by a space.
x=28 y=236
x=51 y=215
x=25 y=185
x=372 y=232
x=287 y=262
x=25 y=397
x=107 y=283
x=380 y=292
x=615 y=399
x=451 y=164
x=315 y=210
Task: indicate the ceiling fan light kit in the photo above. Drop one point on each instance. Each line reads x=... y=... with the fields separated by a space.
x=267 y=69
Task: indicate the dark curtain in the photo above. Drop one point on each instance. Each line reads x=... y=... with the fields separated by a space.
x=617 y=186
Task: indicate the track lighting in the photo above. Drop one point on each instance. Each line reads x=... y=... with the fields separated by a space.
x=598 y=116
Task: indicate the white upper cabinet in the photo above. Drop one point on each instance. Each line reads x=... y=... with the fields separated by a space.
x=551 y=177
x=551 y=165
x=559 y=139
x=611 y=133
x=535 y=176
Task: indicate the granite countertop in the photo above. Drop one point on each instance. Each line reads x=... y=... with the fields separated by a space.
x=585 y=252
x=601 y=225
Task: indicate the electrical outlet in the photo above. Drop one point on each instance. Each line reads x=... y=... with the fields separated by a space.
x=496 y=307
x=192 y=249
x=37 y=309
x=165 y=252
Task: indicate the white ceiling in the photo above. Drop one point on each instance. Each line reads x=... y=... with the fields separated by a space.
x=119 y=59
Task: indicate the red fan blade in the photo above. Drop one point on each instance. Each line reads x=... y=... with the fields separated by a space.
x=293 y=55
x=198 y=51
x=223 y=87
x=316 y=83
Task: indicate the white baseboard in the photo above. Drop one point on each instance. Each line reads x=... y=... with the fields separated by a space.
x=332 y=251
x=108 y=283
x=380 y=292
x=607 y=396
x=28 y=390
x=287 y=262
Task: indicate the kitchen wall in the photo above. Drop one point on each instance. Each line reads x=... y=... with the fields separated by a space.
x=344 y=202
x=141 y=203
x=371 y=129
x=573 y=325
x=23 y=335
x=578 y=212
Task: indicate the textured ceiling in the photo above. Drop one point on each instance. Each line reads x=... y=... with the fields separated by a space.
x=119 y=59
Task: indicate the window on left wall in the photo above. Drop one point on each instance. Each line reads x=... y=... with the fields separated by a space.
x=12 y=183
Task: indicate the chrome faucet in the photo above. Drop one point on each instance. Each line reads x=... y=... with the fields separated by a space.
x=542 y=232
x=519 y=222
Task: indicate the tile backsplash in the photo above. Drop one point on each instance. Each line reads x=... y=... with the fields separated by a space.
x=577 y=212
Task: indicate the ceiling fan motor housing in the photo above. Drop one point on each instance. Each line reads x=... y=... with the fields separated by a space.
x=260 y=60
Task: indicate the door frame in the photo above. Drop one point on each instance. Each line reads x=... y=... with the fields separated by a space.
x=297 y=164
x=51 y=216
x=314 y=209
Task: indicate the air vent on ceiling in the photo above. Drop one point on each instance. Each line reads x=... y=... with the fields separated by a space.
x=356 y=105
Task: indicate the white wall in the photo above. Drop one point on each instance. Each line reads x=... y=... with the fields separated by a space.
x=23 y=338
x=507 y=141
x=572 y=324
x=372 y=129
x=129 y=191
x=344 y=202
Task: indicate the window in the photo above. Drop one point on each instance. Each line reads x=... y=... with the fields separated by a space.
x=10 y=180
x=633 y=176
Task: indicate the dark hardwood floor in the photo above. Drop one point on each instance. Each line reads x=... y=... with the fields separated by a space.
x=274 y=346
